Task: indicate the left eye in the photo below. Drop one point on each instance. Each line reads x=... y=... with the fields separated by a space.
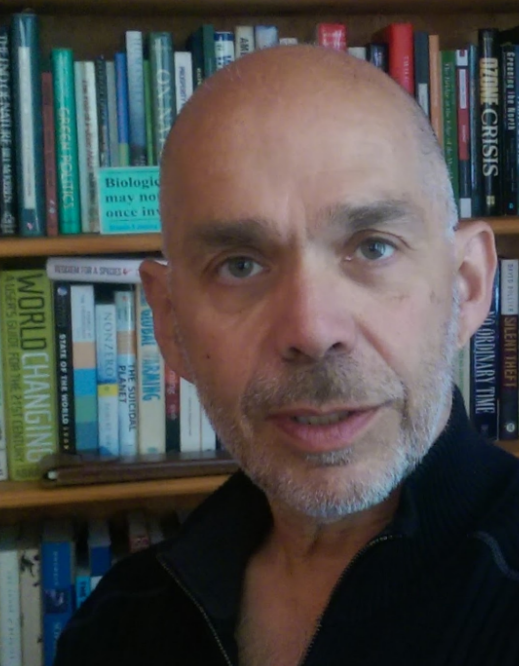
x=373 y=249
x=239 y=268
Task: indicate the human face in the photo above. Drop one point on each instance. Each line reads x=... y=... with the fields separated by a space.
x=314 y=307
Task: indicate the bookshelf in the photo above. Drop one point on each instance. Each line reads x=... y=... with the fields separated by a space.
x=91 y=27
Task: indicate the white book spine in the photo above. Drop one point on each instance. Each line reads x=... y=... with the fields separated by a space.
x=288 y=41
x=223 y=48
x=89 y=101
x=29 y=564
x=126 y=372
x=112 y=113
x=10 y=630
x=265 y=36
x=94 y=269
x=107 y=385
x=462 y=374
x=207 y=434
x=244 y=38
x=151 y=381
x=358 y=52
x=190 y=426
x=183 y=77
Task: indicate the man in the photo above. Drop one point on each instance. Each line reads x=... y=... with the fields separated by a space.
x=317 y=290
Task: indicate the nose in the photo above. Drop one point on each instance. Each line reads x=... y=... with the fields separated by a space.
x=315 y=313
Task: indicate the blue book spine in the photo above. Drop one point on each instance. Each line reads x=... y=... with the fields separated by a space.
x=83 y=588
x=28 y=124
x=64 y=367
x=58 y=588
x=484 y=349
x=136 y=99
x=123 y=121
x=224 y=48
x=107 y=385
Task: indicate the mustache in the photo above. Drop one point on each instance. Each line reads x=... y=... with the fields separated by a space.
x=340 y=380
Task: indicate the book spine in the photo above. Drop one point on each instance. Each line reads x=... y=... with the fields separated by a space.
x=30 y=372
x=4 y=473
x=223 y=48
x=462 y=376
x=475 y=143
x=516 y=101
x=399 y=37
x=208 y=50
x=330 y=35
x=151 y=383
x=489 y=112
x=136 y=106
x=244 y=37
x=421 y=70
x=464 y=139
x=207 y=434
x=29 y=569
x=100 y=549
x=509 y=320
x=103 y=123
x=28 y=124
x=49 y=154
x=8 y=223
x=163 y=96
x=82 y=586
x=64 y=368
x=10 y=629
x=84 y=358
x=126 y=371
x=86 y=88
x=435 y=82
x=266 y=36
x=150 y=141
x=123 y=120
x=450 y=125
x=69 y=202
x=107 y=385
x=378 y=55
x=485 y=370
x=112 y=113
x=94 y=269
x=172 y=390
x=183 y=77
x=190 y=422
x=509 y=133
x=288 y=41
x=138 y=535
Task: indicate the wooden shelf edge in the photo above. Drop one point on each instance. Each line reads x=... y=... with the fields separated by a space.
x=81 y=244
x=26 y=495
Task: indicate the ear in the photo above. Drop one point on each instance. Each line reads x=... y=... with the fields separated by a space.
x=476 y=267
x=154 y=278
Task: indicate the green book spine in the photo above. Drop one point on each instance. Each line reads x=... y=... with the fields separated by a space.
x=450 y=119
x=209 y=49
x=163 y=97
x=150 y=147
x=28 y=358
x=69 y=201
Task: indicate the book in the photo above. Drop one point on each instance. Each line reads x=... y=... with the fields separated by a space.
x=57 y=581
x=126 y=371
x=190 y=423
x=378 y=55
x=163 y=94
x=223 y=48
x=93 y=468
x=150 y=381
x=64 y=367
x=28 y=358
x=421 y=70
x=489 y=113
x=112 y=113
x=84 y=361
x=136 y=107
x=509 y=356
x=31 y=616
x=331 y=35
x=113 y=270
x=265 y=36
x=435 y=90
x=464 y=138
x=474 y=131
x=88 y=144
x=99 y=549
x=399 y=38
x=183 y=77
x=450 y=121
x=358 y=52
x=69 y=198
x=49 y=154
x=123 y=120
x=28 y=124
x=107 y=383
x=201 y=46
x=509 y=129
x=10 y=629
x=484 y=370
x=172 y=409
x=462 y=375
x=103 y=121
x=148 y=114
x=244 y=40
x=8 y=222
x=4 y=472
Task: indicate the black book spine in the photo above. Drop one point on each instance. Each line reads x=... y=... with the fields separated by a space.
x=64 y=368
x=378 y=55
x=421 y=71
x=8 y=226
x=475 y=143
x=509 y=175
x=490 y=122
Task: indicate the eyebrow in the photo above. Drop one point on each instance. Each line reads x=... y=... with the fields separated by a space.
x=217 y=234
x=376 y=214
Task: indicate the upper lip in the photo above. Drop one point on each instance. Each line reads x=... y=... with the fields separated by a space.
x=312 y=411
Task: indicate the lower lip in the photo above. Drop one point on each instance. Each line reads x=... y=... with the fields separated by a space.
x=321 y=438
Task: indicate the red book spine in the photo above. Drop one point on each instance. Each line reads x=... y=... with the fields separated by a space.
x=332 y=35
x=399 y=38
x=49 y=155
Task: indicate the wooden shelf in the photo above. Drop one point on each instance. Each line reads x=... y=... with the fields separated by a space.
x=79 y=245
x=22 y=495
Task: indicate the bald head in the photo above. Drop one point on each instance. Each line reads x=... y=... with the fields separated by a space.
x=288 y=99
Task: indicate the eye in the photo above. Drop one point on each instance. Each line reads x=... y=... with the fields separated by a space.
x=374 y=249
x=239 y=268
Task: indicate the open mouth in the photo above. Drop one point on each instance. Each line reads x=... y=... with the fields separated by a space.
x=323 y=420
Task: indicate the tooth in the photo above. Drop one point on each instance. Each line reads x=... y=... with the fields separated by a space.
x=329 y=419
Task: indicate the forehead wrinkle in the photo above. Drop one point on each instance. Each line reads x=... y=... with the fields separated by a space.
x=218 y=234
x=356 y=218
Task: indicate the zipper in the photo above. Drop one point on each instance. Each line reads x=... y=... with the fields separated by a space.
x=371 y=544
x=200 y=609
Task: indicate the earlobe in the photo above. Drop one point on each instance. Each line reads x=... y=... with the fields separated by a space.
x=476 y=266
x=154 y=278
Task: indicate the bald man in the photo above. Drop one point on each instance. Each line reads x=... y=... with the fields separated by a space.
x=317 y=290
